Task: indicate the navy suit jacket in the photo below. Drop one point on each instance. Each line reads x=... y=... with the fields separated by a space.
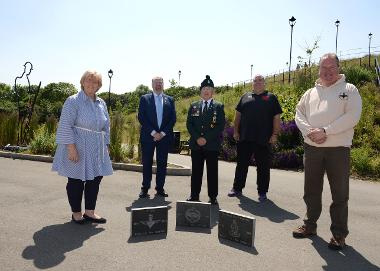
x=148 y=118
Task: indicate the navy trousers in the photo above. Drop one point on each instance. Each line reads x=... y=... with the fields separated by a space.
x=162 y=150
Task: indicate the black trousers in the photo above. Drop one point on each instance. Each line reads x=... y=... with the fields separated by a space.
x=198 y=157
x=263 y=157
x=75 y=188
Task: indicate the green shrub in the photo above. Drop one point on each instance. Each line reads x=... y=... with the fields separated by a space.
x=375 y=144
x=360 y=161
x=51 y=124
x=304 y=80
x=365 y=129
x=357 y=75
x=288 y=99
x=375 y=165
x=43 y=142
x=8 y=129
x=117 y=152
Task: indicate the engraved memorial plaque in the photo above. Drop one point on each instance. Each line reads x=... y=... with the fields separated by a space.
x=237 y=228
x=149 y=220
x=193 y=214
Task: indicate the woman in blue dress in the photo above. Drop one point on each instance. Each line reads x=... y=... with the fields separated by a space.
x=83 y=136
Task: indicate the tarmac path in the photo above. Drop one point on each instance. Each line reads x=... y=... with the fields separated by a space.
x=36 y=232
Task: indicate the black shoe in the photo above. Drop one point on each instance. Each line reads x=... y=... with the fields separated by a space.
x=144 y=193
x=161 y=193
x=80 y=221
x=193 y=199
x=213 y=201
x=95 y=220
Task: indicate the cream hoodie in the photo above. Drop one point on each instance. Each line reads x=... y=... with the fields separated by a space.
x=336 y=108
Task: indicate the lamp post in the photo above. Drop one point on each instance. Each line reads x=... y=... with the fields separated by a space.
x=292 y=22
x=337 y=22
x=251 y=71
x=110 y=74
x=369 y=49
x=179 y=77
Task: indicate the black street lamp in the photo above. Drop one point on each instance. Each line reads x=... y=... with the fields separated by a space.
x=292 y=22
x=179 y=77
x=251 y=71
x=369 y=49
x=110 y=74
x=337 y=22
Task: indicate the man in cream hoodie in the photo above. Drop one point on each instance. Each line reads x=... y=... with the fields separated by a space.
x=326 y=116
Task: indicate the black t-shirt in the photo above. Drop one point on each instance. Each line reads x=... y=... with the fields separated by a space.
x=257 y=112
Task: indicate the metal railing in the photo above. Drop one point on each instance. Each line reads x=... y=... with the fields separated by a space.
x=280 y=76
x=377 y=68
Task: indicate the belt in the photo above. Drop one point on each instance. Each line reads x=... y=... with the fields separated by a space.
x=97 y=132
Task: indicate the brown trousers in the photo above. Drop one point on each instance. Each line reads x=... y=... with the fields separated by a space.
x=335 y=161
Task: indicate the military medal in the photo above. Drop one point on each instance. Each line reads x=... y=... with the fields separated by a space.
x=195 y=112
x=213 y=120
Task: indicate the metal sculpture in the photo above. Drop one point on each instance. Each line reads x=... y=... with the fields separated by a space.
x=25 y=113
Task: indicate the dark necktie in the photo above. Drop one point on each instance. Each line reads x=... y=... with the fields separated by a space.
x=205 y=108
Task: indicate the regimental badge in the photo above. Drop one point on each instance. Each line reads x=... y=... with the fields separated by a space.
x=150 y=222
x=234 y=229
x=195 y=112
x=192 y=215
x=343 y=96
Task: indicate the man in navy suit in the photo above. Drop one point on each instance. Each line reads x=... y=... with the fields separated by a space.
x=157 y=117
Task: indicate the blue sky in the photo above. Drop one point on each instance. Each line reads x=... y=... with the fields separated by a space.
x=142 y=39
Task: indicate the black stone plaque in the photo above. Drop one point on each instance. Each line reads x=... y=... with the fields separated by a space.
x=149 y=220
x=237 y=228
x=193 y=214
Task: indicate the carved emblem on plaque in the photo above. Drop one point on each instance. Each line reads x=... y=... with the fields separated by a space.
x=150 y=223
x=234 y=229
x=192 y=215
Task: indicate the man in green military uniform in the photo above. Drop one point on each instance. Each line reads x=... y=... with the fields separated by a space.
x=205 y=123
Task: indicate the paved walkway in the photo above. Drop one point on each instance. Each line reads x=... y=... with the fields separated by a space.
x=35 y=232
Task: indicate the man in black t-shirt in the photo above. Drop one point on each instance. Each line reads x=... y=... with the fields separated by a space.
x=257 y=124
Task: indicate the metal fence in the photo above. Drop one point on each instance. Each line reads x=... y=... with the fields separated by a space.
x=282 y=75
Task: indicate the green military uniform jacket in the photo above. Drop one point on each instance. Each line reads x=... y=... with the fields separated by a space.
x=209 y=125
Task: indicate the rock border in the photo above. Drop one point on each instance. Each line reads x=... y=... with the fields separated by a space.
x=171 y=171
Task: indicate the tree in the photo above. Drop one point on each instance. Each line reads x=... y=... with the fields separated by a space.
x=173 y=83
x=311 y=49
x=57 y=92
x=6 y=100
x=51 y=99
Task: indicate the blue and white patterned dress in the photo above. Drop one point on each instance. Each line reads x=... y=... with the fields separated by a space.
x=86 y=124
